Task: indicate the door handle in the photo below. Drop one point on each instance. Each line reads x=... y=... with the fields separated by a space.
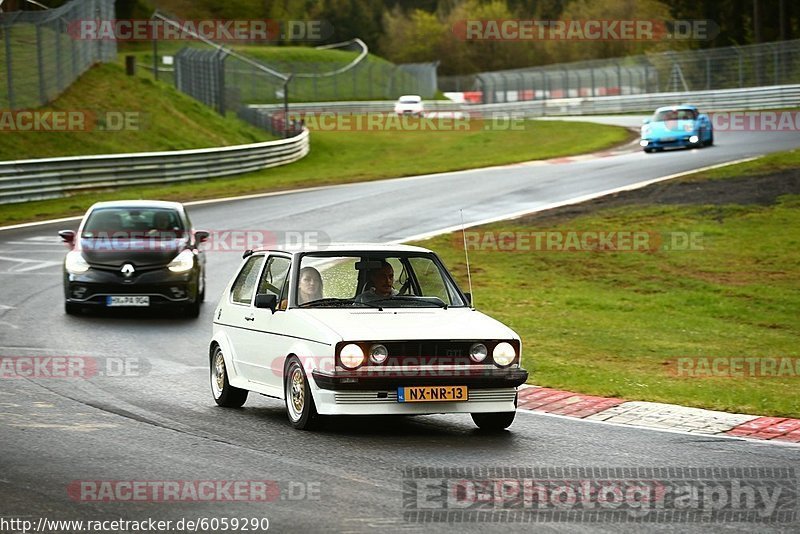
x=250 y=318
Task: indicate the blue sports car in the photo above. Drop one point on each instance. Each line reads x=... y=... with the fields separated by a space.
x=676 y=126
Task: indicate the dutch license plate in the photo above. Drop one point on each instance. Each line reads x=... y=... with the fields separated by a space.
x=131 y=300
x=432 y=393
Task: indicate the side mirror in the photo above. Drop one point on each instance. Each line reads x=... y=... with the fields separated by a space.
x=67 y=236
x=469 y=298
x=646 y=121
x=201 y=236
x=266 y=300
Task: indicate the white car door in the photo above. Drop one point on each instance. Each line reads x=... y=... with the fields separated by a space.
x=236 y=316
x=264 y=346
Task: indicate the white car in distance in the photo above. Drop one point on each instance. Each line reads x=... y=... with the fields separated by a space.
x=361 y=330
x=409 y=105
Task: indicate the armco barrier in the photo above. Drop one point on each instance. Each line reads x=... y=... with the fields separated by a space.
x=37 y=179
x=752 y=98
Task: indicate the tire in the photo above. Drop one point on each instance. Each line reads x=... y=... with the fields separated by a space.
x=192 y=310
x=70 y=308
x=648 y=150
x=710 y=140
x=300 y=408
x=493 y=421
x=225 y=395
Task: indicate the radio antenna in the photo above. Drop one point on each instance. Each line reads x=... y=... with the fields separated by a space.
x=466 y=254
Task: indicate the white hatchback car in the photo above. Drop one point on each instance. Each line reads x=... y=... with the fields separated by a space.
x=409 y=105
x=361 y=330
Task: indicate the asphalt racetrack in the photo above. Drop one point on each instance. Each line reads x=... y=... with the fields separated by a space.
x=156 y=421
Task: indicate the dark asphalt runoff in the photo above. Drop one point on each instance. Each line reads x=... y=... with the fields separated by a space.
x=155 y=419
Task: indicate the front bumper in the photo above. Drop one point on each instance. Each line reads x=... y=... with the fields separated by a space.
x=164 y=287
x=680 y=141
x=376 y=402
x=388 y=381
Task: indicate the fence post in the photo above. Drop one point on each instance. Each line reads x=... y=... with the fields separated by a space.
x=9 y=69
x=40 y=63
x=59 y=77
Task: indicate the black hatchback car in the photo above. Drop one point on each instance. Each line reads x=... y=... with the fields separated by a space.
x=135 y=254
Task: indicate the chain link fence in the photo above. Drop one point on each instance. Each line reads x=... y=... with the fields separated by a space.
x=229 y=78
x=776 y=63
x=40 y=58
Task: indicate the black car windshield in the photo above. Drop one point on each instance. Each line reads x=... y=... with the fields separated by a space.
x=675 y=115
x=396 y=280
x=133 y=223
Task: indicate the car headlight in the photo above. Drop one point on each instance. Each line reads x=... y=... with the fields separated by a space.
x=351 y=356
x=75 y=263
x=503 y=354
x=182 y=262
x=478 y=352
x=378 y=354
x=694 y=139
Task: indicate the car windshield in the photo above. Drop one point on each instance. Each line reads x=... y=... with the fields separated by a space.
x=410 y=100
x=399 y=280
x=675 y=115
x=133 y=223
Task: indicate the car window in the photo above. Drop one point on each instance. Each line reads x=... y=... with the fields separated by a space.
x=133 y=223
x=674 y=115
x=418 y=281
x=275 y=277
x=245 y=284
x=430 y=280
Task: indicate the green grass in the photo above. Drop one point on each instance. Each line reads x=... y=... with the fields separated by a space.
x=771 y=163
x=611 y=323
x=374 y=78
x=167 y=120
x=342 y=157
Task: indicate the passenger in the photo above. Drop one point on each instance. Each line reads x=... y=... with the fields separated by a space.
x=309 y=286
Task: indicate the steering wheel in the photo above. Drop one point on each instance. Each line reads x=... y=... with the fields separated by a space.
x=404 y=287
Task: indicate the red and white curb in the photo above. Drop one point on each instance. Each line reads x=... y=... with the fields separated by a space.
x=657 y=416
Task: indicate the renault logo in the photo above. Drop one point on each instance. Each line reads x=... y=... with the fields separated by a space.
x=127 y=270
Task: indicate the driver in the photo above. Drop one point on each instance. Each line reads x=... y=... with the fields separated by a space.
x=379 y=284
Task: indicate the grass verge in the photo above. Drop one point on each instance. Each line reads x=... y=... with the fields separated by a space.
x=354 y=156
x=615 y=323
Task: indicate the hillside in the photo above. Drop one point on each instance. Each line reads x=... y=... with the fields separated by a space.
x=158 y=118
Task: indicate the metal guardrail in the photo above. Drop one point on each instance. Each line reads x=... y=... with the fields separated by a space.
x=752 y=98
x=38 y=179
x=365 y=106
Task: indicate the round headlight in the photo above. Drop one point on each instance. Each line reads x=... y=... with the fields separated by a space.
x=75 y=263
x=378 y=354
x=351 y=356
x=503 y=354
x=694 y=139
x=478 y=352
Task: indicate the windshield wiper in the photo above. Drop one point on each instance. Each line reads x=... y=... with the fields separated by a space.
x=327 y=302
x=436 y=301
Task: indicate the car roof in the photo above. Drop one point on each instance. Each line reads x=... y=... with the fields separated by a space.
x=675 y=108
x=138 y=204
x=410 y=97
x=347 y=247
